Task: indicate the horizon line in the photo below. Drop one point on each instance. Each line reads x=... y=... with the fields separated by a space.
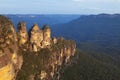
x=56 y=13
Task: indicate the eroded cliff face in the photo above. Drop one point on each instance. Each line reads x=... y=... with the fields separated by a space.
x=10 y=60
x=44 y=56
x=34 y=55
x=47 y=63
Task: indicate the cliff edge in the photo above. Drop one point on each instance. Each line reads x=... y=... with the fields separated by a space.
x=10 y=59
x=32 y=55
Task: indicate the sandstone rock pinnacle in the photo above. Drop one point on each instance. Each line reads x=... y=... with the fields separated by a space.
x=22 y=33
x=36 y=37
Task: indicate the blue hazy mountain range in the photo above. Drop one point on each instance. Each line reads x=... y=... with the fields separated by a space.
x=41 y=20
x=93 y=33
x=91 y=28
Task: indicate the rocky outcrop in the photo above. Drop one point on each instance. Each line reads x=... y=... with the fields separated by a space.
x=46 y=64
x=18 y=58
x=22 y=33
x=36 y=37
x=40 y=38
x=46 y=36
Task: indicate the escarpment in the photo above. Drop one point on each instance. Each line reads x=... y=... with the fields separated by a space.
x=32 y=55
x=10 y=60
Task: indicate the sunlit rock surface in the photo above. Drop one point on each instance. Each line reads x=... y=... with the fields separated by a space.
x=32 y=55
x=22 y=33
x=10 y=60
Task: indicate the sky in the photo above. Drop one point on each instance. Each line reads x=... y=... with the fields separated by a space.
x=59 y=6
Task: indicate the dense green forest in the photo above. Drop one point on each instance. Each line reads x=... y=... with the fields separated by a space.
x=92 y=66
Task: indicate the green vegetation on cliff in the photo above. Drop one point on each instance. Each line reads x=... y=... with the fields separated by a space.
x=5 y=28
x=34 y=62
x=47 y=59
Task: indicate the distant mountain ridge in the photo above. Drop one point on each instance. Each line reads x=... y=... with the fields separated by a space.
x=102 y=27
x=94 y=33
x=41 y=19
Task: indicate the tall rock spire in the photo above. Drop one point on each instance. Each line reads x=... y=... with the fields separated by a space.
x=46 y=35
x=22 y=33
x=36 y=37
